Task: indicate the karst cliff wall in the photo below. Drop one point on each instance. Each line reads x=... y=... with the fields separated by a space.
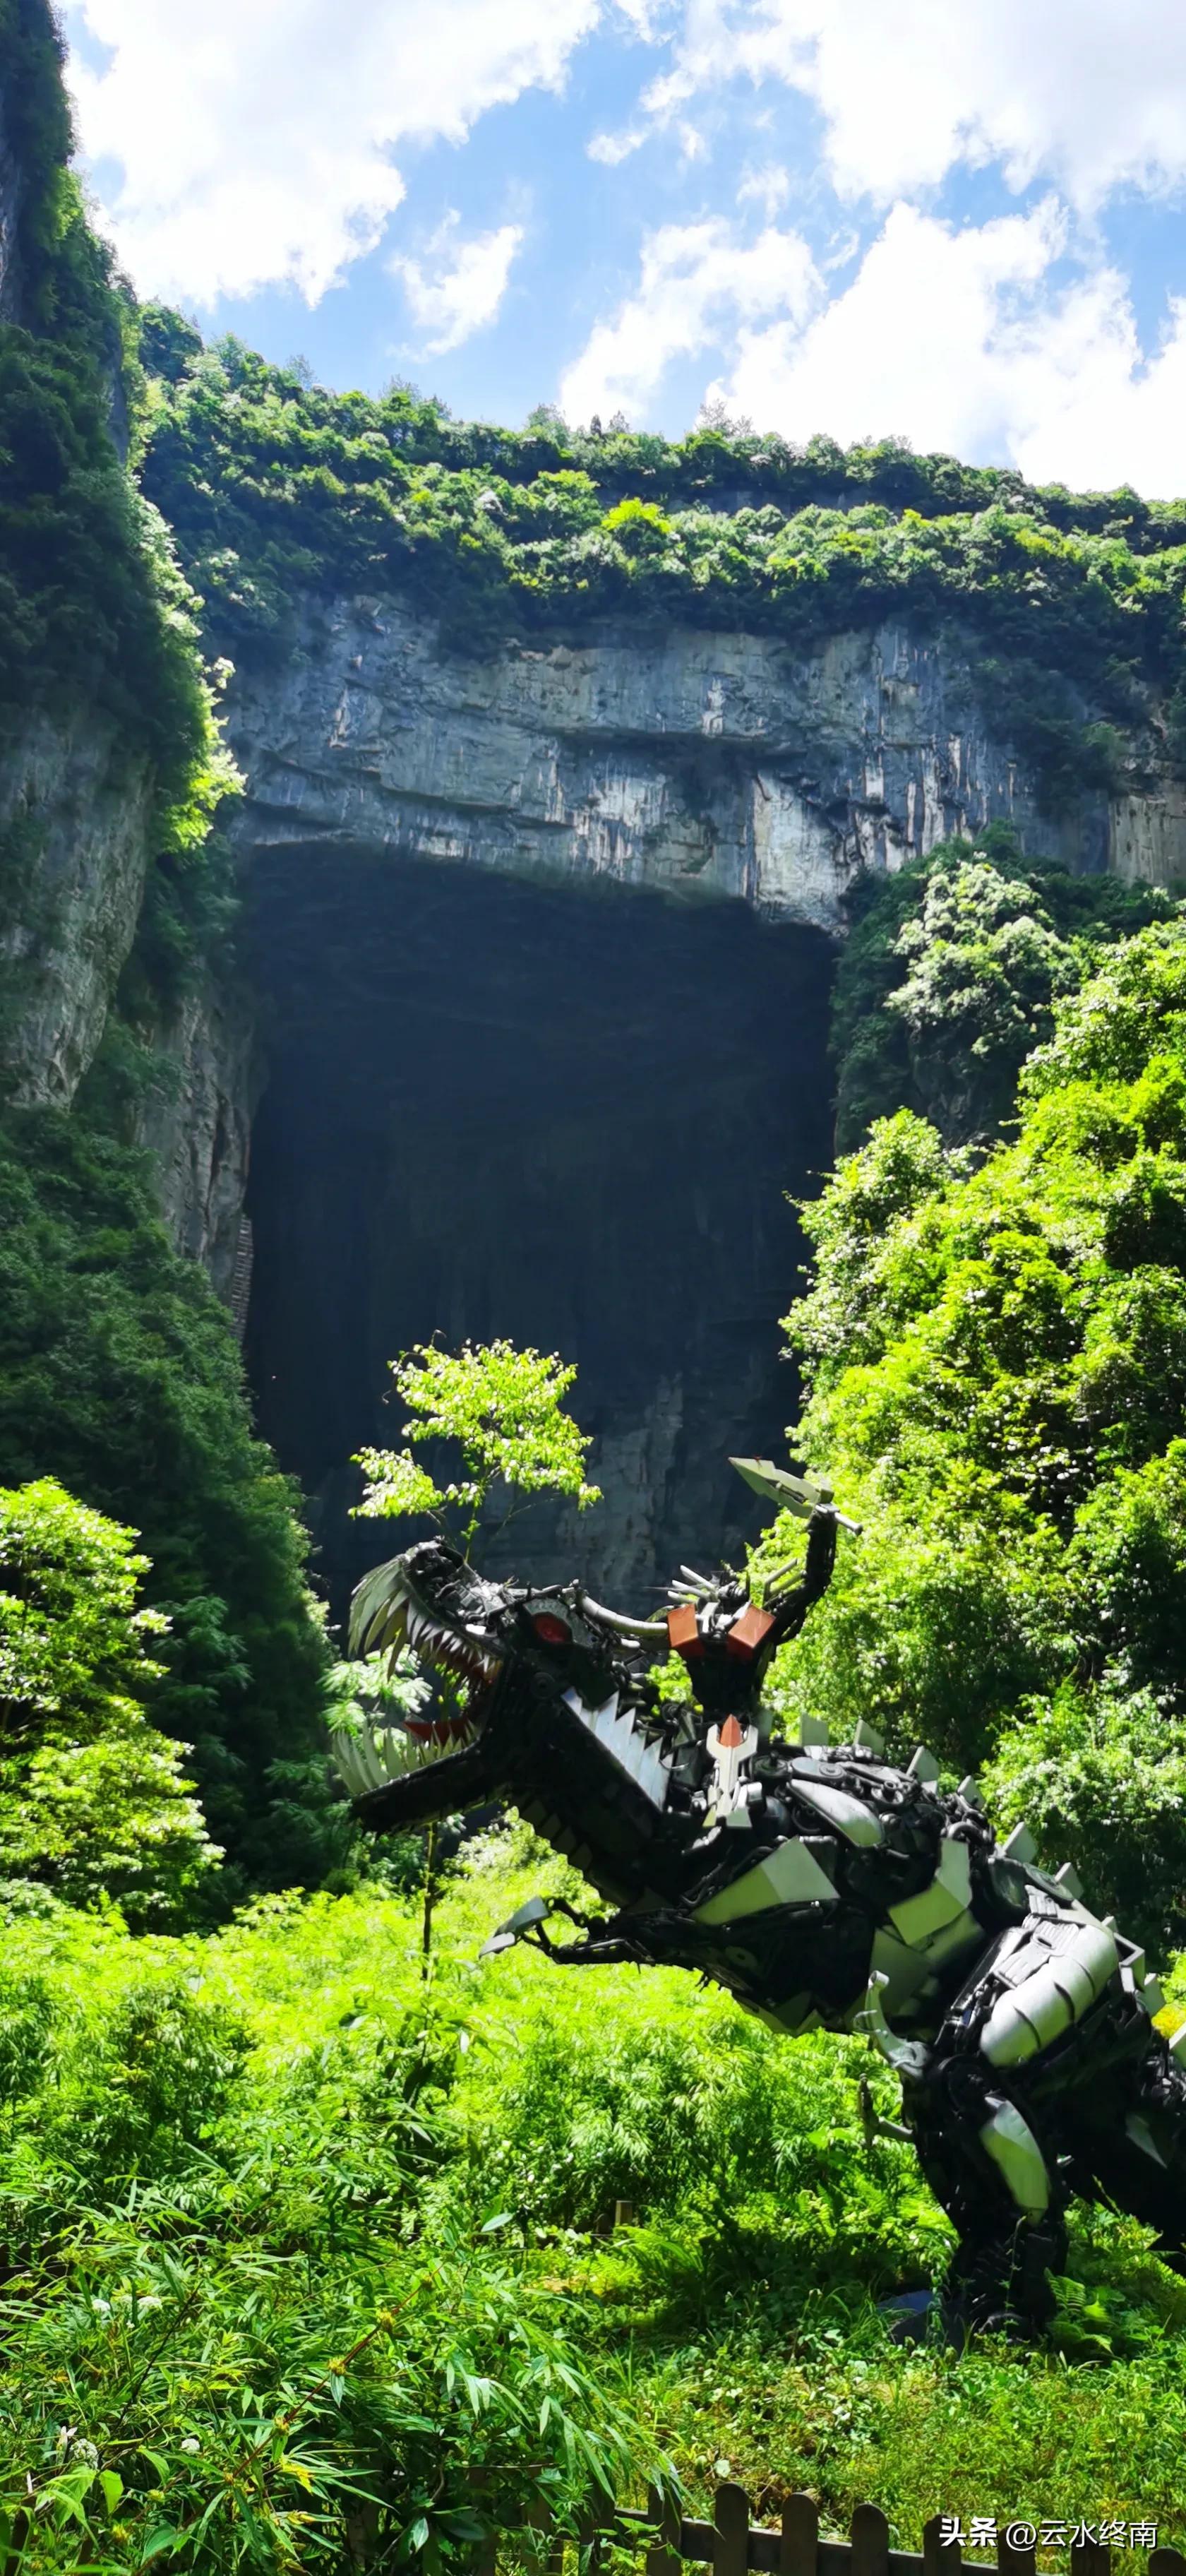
x=543 y=941
x=528 y=1072
x=508 y=1055
x=695 y=764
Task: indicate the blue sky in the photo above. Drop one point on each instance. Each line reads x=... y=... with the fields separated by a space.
x=960 y=221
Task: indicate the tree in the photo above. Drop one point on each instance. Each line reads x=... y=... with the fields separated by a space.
x=502 y=1407
x=93 y=1799
x=119 y=1376
x=996 y=1359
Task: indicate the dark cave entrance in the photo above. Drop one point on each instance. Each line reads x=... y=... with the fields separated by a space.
x=567 y=1116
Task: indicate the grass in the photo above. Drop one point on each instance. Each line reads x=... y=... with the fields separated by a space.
x=735 y=2330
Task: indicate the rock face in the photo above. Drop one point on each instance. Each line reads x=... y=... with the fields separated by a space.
x=74 y=833
x=197 y=1124
x=536 y=961
x=544 y=942
x=695 y=764
x=10 y=193
x=1147 y=840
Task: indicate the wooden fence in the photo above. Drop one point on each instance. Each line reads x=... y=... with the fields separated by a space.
x=730 y=2544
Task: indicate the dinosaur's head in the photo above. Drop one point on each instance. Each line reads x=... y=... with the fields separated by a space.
x=501 y=1657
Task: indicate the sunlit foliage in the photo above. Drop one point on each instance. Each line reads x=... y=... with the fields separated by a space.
x=996 y=1353
x=306 y=2267
x=502 y=1409
x=93 y=1800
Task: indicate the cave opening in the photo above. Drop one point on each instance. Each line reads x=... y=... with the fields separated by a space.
x=567 y=1116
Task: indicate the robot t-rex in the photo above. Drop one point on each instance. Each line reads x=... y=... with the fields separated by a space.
x=821 y=1884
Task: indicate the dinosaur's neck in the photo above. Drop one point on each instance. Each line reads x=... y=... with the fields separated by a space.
x=588 y=1781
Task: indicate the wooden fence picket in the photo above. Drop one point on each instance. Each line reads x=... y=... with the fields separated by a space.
x=730 y=2545
x=1018 y=2562
x=663 y=2558
x=798 y=2543
x=869 y=2545
x=731 y=2529
x=936 y=2559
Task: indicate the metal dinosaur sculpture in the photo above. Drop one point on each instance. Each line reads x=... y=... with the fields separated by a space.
x=821 y=1884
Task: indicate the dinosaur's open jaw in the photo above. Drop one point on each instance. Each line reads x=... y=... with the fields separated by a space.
x=464 y=1658
x=451 y=1640
x=469 y=1634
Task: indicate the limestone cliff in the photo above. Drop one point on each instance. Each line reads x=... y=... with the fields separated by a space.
x=74 y=831
x=196 y=1122
x=696 y=764
x=529 y=1073
x=522 y=1070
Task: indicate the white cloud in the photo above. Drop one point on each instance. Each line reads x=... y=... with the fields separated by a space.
x=768 y=188
x=963 y=340
x=1089 y=92
x=612 y=148
x=696 y=286
x=253 y=138
x=457 y=287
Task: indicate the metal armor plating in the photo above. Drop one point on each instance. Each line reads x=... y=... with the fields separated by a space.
x=823 y=1885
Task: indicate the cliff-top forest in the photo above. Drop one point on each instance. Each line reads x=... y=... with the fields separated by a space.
x=307 y=2247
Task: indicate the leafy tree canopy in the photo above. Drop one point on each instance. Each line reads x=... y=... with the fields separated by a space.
x=92 y=1798
x=277 y=489
x=996 y=1362
x=118 y=1376
x=503 y=1409
x=949 y=974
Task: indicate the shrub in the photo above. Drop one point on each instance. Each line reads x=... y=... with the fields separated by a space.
x=92 y=1798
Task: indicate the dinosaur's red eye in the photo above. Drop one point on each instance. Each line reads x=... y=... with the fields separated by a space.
x=553 y=1631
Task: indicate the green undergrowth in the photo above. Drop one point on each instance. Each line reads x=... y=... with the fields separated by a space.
x=305 y=2260
x=995 y=1355
x=92 y=603
x=277 y=489
x=949 y=975
x=119 y=1376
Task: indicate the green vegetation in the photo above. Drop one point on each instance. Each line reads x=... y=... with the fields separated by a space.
x=92 y=1798
x=996 y=1361
x=119 y=1377
x=275 y=489
x=949 y=973
x=305 y=2255
x=91 y=599
x=502 y=1408
x=296 y=2253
